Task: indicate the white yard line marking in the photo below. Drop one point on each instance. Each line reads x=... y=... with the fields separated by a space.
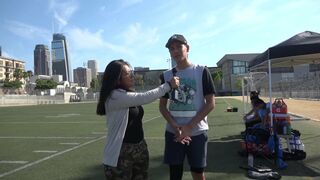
x=44 y=151
x=224 y=99
x=151 y=119
x=36 y=137
x=221 y=140
x=63 y=115
x=69 y=143
x=49 y=157
x=98 y=132
x=13 y=162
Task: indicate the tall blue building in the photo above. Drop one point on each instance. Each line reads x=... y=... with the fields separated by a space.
x=60 y=57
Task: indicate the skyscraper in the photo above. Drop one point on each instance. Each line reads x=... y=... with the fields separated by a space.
x=82 y=76
x=60 y=57
x=92 y=64
x=41 y=60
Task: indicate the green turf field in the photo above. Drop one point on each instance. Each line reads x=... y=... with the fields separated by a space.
x=66 y=142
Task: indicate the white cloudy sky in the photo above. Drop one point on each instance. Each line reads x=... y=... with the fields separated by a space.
x=137 y=30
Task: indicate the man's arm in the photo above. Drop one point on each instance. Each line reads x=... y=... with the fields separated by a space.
x=206 y=109
x=166 y=114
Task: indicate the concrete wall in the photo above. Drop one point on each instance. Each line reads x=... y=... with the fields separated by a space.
x=21 y=100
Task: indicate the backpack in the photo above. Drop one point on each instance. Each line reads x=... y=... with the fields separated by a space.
x=296 y=146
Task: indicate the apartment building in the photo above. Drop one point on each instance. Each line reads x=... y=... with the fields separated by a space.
x=8 y=66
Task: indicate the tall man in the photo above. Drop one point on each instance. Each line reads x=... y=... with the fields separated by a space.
x=186 y=115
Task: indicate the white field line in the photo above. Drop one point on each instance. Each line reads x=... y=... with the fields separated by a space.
x=221 y=140
x=63 y=115
x=224 y=99
x=59 y=153
x=38 y=137
x=151 y=119
x=50 y=157
x=44 y=151
x=13 y=162
x=69 y=143
x=98 y=132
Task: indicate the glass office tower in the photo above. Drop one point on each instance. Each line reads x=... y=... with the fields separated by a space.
x=41 y=60
x=60 y=58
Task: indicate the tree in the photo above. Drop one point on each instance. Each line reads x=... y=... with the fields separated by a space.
x=239 y=83
x=95 y=84
x=16 y=84
x=30 y=73
x=217 y=79
x=18 y=74
x=217 y=76
x=43 y=84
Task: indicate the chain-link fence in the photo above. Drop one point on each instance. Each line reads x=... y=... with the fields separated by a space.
x=307 y=88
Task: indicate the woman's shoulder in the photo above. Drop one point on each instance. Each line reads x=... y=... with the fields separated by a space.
x=117 y=92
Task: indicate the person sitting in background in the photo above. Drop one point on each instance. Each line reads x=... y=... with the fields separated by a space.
x=254 y=95
x=257 y=114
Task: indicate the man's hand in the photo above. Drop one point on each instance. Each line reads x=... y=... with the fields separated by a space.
x=182 y=136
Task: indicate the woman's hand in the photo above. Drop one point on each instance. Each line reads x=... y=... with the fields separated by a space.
x=175 y=82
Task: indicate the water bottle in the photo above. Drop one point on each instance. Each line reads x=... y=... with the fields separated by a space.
x=301 y=147
x=250 y=160
x=284 y=129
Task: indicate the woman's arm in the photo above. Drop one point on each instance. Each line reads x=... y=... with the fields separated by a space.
x=121 y=98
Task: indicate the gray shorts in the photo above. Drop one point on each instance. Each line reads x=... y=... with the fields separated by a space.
x=196 y=151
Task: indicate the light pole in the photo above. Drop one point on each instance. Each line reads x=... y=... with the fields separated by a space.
x=169 y=61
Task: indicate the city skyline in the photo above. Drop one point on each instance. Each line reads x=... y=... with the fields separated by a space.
x=137 y=30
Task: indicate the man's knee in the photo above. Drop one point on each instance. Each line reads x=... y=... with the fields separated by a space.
x=197 y=170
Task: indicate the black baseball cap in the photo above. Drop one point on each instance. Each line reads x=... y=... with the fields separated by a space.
x=176 y=37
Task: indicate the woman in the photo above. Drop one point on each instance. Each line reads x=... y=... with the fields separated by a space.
x=125 y=154
x=257 y=114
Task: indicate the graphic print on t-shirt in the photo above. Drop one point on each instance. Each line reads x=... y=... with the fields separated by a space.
x=182 y=99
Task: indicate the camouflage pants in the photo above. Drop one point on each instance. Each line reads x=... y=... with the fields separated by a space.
x=133 y=163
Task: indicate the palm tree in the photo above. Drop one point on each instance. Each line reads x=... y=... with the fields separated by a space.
x=18 y=74
x=217 y=79
x=30 y=73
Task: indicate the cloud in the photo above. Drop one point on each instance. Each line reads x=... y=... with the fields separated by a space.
x=27 y=31
x=182 y=17
x=128 y=3
x=62 y=11
x=140 y=36
x=6 y=54
x=83 y=39
x=102 y=8
x=246 y=13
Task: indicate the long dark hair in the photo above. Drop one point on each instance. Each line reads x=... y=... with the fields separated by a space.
x=111 y=77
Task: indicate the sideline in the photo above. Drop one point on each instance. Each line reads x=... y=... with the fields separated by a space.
x=300 y=107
